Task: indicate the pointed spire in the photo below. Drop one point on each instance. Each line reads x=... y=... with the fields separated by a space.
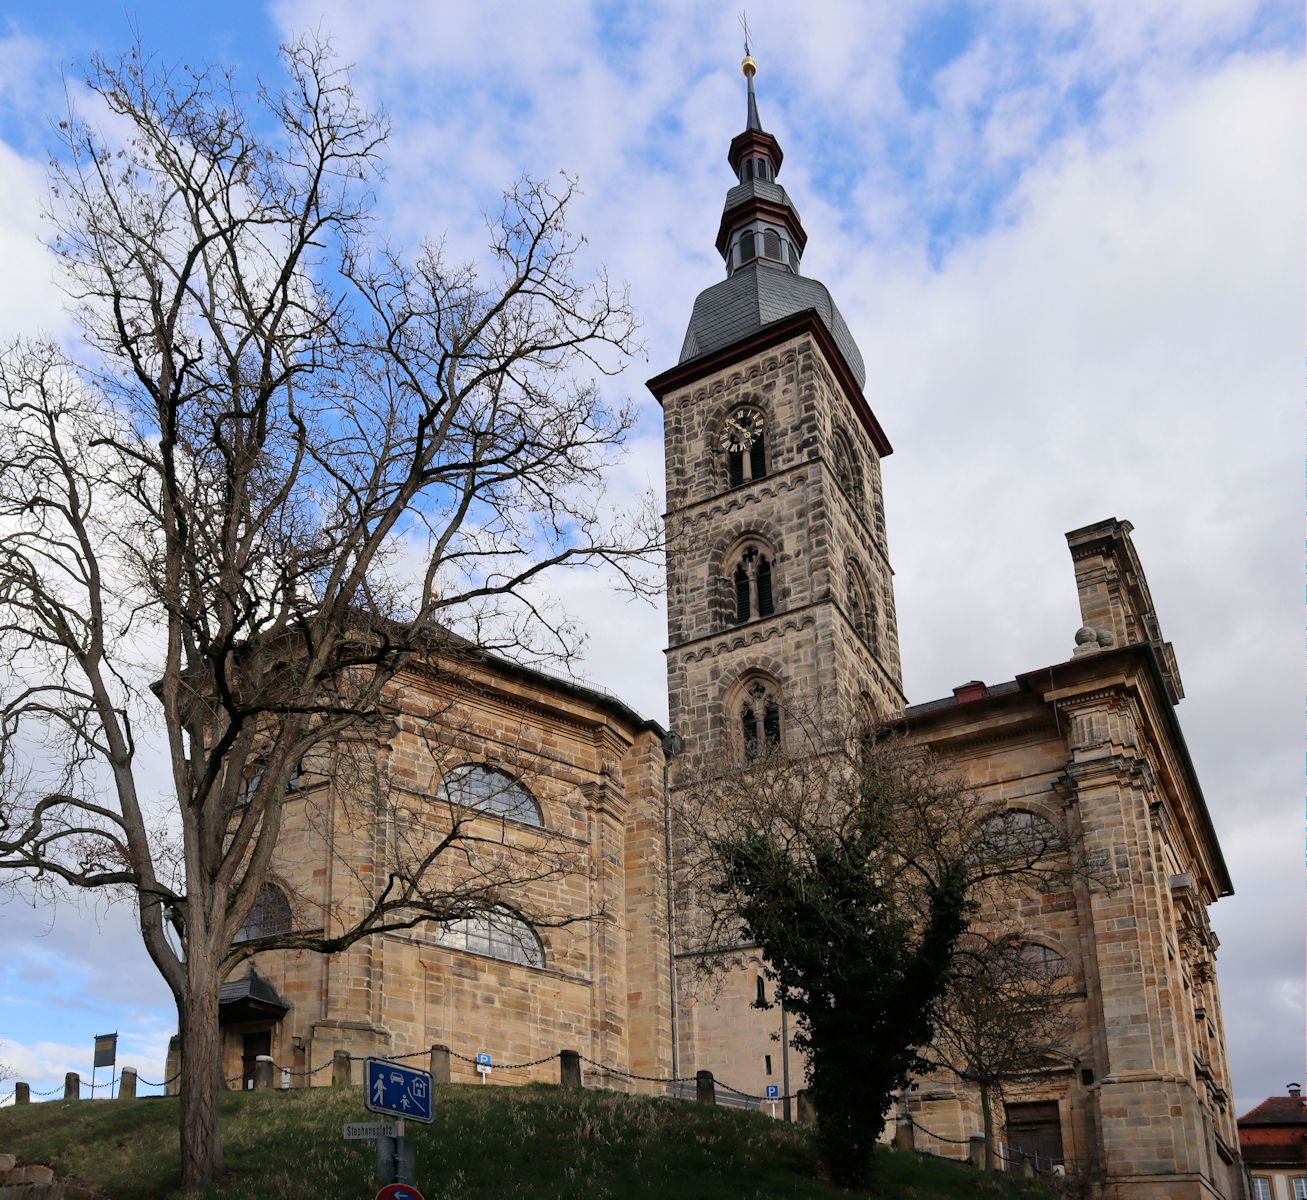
x=750 y=69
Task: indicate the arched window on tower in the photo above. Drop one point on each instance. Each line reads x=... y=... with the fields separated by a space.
x=862 y=608
x=752 y=593
x=842 y=462
x=748 y=243
x=771 y=244
x=760 y=719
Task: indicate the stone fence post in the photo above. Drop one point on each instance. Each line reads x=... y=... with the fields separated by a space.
x=127 y=1084
x=569 y=1068
x=439 y=1065
x=264 y=1070
x=22 y=1093
x=72 y=1086
x=976 y=1150
x=905 y=1137
x=340 y=1069
x=705 y=1087
x=807 y=1107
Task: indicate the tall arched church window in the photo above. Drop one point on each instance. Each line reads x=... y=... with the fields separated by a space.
x=760 y=720
x=270 y=915
x=751 y=586
x=743 y=440
x=771 y=244
x=748 y=241
x=476 y=785
x=496 y=934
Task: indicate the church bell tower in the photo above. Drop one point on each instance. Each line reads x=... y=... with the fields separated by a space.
x=780 y=596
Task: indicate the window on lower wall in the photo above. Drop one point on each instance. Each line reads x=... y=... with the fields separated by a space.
x=477 y=785
x=1300 y=1188
x=270 y=915
x=1261 y=1188
x=496 y=934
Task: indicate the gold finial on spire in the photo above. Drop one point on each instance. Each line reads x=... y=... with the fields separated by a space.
x=748 y=66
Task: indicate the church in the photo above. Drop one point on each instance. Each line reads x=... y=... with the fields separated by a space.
x=780 y=598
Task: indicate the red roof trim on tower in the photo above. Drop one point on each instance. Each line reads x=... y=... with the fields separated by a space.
x=771 y=335
x=757 y=142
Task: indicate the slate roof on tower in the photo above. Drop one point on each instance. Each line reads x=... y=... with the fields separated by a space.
x=761 y=288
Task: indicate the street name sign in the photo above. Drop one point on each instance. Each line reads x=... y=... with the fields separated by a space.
x=363 y=1131
x=396 y=1090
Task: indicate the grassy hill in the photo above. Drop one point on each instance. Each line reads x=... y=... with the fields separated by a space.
x=487 y=1142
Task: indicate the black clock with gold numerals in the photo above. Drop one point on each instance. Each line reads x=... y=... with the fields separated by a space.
x=741 y=429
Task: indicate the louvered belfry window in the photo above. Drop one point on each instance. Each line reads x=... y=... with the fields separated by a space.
x=741 y=594
x=765 y=606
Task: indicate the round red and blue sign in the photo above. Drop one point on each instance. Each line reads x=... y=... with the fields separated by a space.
x=399 y=1191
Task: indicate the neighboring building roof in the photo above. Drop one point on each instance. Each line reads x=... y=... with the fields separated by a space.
x=756 y=296
x=1278 y=1110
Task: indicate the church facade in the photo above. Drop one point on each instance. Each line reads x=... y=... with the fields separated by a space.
x=780 y=600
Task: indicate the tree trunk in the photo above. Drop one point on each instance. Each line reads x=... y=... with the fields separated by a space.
x=987 y=1116
x=201 y=1071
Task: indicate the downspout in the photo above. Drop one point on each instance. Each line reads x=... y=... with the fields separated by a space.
x=672 y=745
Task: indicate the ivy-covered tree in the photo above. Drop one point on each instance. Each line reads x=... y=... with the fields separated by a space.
x=866 y=874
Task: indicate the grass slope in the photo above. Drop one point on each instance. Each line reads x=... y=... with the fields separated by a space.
x=536 y=1141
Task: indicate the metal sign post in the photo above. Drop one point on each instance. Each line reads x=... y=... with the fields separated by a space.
x=106 y=1054
x=483 y=1066
x=406 y=1093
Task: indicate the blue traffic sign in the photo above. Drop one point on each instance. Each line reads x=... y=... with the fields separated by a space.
x=397 y=1090
x=483 y=1059
x=773 y=1092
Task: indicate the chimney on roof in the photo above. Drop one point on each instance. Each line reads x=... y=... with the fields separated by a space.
x=974 y=690
x=1295 y=1091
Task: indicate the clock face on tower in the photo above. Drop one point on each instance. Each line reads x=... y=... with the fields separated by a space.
x=740 y=430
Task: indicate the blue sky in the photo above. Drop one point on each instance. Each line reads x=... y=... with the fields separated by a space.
x=1066 y=236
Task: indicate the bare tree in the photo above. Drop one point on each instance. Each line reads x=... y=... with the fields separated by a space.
x=1006 y=1016
x=283 y=460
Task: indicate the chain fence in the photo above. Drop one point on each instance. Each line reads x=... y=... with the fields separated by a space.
x=939 y=1137
x=671 y=1082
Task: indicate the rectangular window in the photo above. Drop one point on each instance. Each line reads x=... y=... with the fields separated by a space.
x=1261 y=1188
x=767 y=1060
x=1300 y=1188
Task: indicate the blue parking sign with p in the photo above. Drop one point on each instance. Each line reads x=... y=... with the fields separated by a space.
x=773 y=1092
x=397 y=1090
